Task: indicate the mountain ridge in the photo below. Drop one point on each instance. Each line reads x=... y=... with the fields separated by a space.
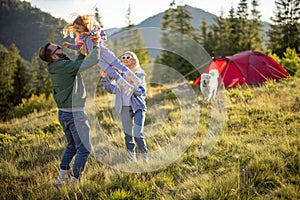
x=156 y=20
x=197 y=13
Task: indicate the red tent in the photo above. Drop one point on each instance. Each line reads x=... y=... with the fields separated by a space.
x=247 y=67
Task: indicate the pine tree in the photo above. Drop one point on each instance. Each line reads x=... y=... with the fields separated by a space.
x=240 y=31
x=40 y=82
x=6 y=83
x=242 y=26
x=223 y=33
x=20 y=83
x=285 y=28
x=98 y=17
x=255 y=28
x=128 y=20
x=176 y=30
x=204 y=37
x=10 y=62
x=132 y=40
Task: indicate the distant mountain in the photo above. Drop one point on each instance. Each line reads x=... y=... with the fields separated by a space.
x=197 y=13
x=156 y=20
x=151 y=31
x=112 y=31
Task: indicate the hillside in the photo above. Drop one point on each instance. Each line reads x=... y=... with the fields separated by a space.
x=256 y=155
x=27 y=27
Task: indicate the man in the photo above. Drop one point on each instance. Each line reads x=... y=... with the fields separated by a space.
x=70 y=95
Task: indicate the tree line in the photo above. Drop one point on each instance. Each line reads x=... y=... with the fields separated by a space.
x=20 y=79
x=241 y=29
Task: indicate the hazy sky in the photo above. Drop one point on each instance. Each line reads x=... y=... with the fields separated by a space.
x=113 y=12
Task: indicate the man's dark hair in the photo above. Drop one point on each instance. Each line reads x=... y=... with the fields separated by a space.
x=45 y=53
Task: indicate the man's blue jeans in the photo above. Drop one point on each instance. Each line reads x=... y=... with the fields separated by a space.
x=77 y=131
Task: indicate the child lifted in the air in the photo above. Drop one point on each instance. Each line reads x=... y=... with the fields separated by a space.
x=85 y=27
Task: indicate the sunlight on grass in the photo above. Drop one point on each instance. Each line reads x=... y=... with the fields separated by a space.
x=255 y=157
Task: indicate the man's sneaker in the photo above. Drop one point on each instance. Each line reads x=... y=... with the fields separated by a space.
x=136 y=80
x=73 y=180
x=128 y=88
x=145 y=157
x=131 y=156
x=63 y=177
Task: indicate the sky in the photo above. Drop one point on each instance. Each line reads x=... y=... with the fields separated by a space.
x=113 y=12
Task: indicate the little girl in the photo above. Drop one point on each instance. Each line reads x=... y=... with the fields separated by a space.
x=86 y=26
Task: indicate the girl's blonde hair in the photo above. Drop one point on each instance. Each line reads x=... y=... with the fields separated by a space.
x=88 y=21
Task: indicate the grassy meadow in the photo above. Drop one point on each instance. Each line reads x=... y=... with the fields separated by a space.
x=255 y=156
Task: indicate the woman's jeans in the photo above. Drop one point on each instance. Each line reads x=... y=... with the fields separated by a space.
x=77 y=131
x=133 y=124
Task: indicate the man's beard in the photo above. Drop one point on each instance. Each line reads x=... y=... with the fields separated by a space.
x=61 y=55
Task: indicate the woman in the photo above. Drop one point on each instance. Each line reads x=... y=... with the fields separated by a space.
x=131 y=108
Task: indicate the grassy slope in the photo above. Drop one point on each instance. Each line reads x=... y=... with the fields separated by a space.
x=256 y=157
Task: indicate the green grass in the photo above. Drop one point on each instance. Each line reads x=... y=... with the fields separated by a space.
x=255 y=157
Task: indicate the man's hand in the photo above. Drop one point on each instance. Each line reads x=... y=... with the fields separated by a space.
x=66 y=44
x=103 y=74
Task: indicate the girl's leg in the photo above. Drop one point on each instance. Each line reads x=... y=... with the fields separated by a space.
x=109 y=69
x=115 y=75
x=111 y=59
